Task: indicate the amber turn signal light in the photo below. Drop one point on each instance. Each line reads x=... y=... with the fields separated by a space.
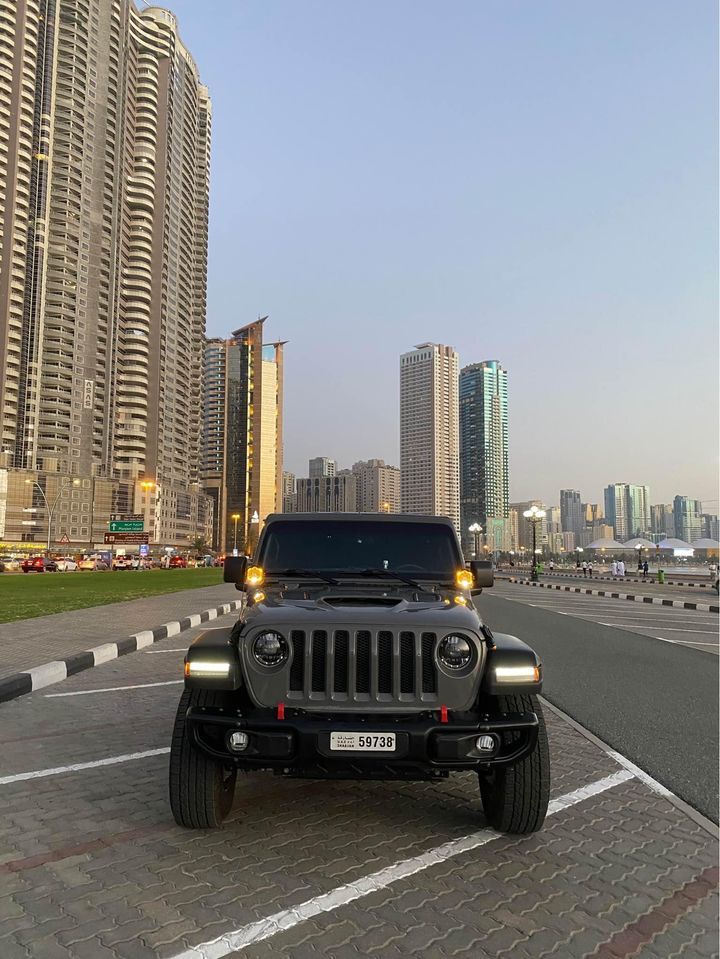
x=464 y=579
x=255 y=576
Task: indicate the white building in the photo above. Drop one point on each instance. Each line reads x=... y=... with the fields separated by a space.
x=378 y=487
x=430 y=431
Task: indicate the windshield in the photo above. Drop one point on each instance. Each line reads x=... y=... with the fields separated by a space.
x=419 y=550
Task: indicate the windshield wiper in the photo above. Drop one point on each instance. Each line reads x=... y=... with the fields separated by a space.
x=389 y=574
x=313 y=573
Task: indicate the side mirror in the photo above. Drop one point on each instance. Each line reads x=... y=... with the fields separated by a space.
x=482 y=570
x=234 y=570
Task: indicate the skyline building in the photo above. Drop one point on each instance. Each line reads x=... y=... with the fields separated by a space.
x=572 y=517
x=687 y=516
x=484 y=475
x=242 y=442
x=378 y=487
x=327 y=494
x=627 y=510
x=104 y=173
x=321 y=466
x=429 y=432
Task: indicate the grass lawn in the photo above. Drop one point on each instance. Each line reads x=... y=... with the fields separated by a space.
x=24 y=595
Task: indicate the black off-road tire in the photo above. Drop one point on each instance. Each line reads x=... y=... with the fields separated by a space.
x=201 y=789
x=515 y=798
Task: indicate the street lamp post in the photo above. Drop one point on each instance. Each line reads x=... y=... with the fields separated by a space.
x=475 y=529
x=639 y=548
x=534 y=516
x=578 y=550
x=235 y=517
x=51 y=509
x=146 y=486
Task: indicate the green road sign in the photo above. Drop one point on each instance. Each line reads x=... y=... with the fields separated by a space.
x=126 y=526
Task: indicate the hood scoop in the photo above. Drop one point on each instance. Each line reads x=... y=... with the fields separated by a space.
x=342 y=602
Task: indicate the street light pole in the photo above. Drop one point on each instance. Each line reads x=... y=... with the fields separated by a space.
x=235 y=517
x=534 y=516
x=51 y=509
x=475 y=529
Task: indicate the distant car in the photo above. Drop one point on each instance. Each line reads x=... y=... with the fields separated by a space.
x=12 y=563
x=126 y=562
x=66 y=564
x=92 y=562
x=177 y=562
x=38 y=564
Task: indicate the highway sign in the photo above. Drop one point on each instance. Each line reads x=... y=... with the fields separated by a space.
x=64 y=538
x=127 y=526
x=127 y=517
x=126 y=539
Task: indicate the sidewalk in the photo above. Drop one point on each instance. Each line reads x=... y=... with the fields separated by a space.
x=28 y=643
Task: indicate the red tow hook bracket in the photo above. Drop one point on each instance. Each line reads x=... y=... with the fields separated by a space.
x=443 y=714
x=281 y=711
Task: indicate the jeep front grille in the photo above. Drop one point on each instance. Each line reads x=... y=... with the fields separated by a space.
x=362 y=666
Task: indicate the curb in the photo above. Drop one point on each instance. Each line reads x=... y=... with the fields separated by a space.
x=654 y=600
x=650 y=580
x=640 y=774
x=20 y=684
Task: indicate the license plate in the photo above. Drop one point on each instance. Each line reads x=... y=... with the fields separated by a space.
x=362 y=742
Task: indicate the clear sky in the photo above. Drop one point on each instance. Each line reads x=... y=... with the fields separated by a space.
x=530 y=182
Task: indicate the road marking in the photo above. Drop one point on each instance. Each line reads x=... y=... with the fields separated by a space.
x=328 y=902
x=112 y=689
x=669 y=629
x=153 y=652
x=684 y=642
x=76 y=767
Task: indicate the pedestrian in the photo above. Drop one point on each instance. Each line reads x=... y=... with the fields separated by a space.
x=551 y=564
x=712 y=569
x=621 y=568
x=645 y=568
x=585 y=568
x=590 y=570
x=613 y=567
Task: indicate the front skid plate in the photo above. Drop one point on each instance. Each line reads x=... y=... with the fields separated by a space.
x=350 y=771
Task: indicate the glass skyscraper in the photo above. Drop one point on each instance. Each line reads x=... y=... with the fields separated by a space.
x=484 y=484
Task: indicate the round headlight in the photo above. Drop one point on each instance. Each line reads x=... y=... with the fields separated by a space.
x=270 y=649
x=455 y=652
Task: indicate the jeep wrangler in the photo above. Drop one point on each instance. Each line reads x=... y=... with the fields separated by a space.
x=359 y=652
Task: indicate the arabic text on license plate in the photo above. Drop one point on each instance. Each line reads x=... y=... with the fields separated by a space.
x=363 y=742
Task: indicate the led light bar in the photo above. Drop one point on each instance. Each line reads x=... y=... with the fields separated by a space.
x=517 y=674
x=200 y=667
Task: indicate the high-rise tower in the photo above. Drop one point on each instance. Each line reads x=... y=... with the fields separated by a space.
x=429 y=432
x=242 y=438
x=104 y=173
x=484 y=483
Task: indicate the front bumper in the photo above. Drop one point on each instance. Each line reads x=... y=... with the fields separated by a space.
x=300 y=744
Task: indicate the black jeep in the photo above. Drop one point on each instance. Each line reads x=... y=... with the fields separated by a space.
x=359 y=652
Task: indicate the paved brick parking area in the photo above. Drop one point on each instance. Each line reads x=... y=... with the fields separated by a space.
x=92 y=865
x=32 y=642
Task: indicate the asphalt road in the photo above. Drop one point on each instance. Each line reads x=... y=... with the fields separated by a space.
x=691 y=594
x=640 y=686
x=92 y=865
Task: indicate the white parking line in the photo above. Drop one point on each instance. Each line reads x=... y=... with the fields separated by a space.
x=375 y=882
x=668 y=629
x=76 y=767
x=112 y=689
x=153 y=652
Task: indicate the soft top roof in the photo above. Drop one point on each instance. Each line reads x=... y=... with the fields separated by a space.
x=360 y=517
